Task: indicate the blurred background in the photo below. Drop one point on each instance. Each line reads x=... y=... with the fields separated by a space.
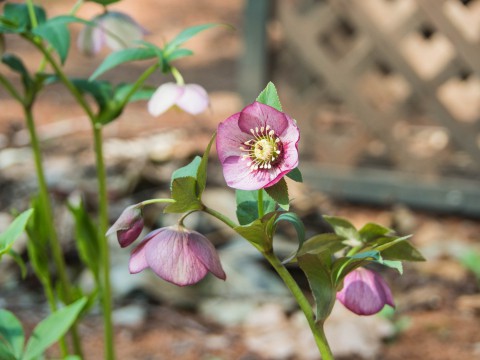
x=387 y=96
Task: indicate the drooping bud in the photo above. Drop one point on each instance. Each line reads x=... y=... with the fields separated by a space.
x=177 y=255
x=365 y=292
x=128 y=226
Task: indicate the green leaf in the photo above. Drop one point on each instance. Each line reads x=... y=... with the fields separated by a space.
x=318 y=244
x=295 y=175
x=471 y=260
x=56 y=33
x=18 y=14
x=18 y=259
x=49 y=330
x=259 y=232
x=189 y=170
x=247 y=205
x=371 y=231
x=104 y=2
x=293 y=219
x=402 y=250
x=279 y=193
x=202 y=168
x=14 y=230
x=321 y=284
x=142 y=93
x=184 y=192
x=185 y=35
x=11 y=333
x=86 y=238
x=6 y=353
x=178 y=54
x=343 y=227
x=393 y=264
x=16 y=65
x=344 y=265
x=122 y=56
x=269 y=96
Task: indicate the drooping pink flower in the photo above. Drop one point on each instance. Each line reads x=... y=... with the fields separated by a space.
x=113 y=29
x=177 y=255
x=365 y=292
x=257 y=147
x=128 y=226
x=191 y=98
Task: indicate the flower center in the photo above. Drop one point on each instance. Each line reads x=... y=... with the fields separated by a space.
x=263 y=149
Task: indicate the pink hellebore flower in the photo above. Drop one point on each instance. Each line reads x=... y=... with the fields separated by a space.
x=257 y=147
x=191 y=98
x=365 y=292
x=128 y=226
x=114 y=29
x=177 y=255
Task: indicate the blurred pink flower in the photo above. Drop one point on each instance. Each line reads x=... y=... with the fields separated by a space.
x=177 y=255
x=257 y=147
x=114 y=29
x=128 y=226
x=191 y=98
x=365 y=292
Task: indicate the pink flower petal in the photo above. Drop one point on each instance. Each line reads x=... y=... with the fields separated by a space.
x=230 y=138
x=238 y=175
x=258 y=115
x=206 y=253
x=365 y=292
x=194 y=99
x=170 y=257
x=138 y=261
x=164 y=98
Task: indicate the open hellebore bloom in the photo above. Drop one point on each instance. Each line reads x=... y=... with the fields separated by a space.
x=128 y=226
x=177 y=255
x=114 y=29
x=191 y=98
x=257 y=147
x=365 y=292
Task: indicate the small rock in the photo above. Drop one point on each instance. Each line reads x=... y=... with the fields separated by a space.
x=469 y=304
x=132 y=316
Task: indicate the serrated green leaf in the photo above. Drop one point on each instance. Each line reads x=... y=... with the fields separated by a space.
x=123 y=56
x=328 y=242
x=185 y=35
x=279 y=193
x=344 y=265
x=18 y=14
x=269 y=96
x=321 y=284
x=202 y=168
x=259 y=232
x=189 y=170
x=86 y=238
x=184 y=192
x=372 y=231
x=14 y=230
x=295 y=175
x=403 y=251
x=49 y=330
x=56 y=33
x=393 y=264
x=342 y=227
x=247 y=205
x=11 y=333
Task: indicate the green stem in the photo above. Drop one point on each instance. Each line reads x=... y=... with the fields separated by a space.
x=260 y=204
x=31 y=13
x=48 y=213
x=104 y=250
x=155 y=201
x=220 y=217
x=317 y=329
x=138 y=83
x=178 y=77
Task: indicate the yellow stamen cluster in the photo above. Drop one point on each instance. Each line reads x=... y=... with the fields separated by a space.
x=262 y=150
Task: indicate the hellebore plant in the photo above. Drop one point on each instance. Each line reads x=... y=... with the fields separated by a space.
x=258 y=149
x=52 y=38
